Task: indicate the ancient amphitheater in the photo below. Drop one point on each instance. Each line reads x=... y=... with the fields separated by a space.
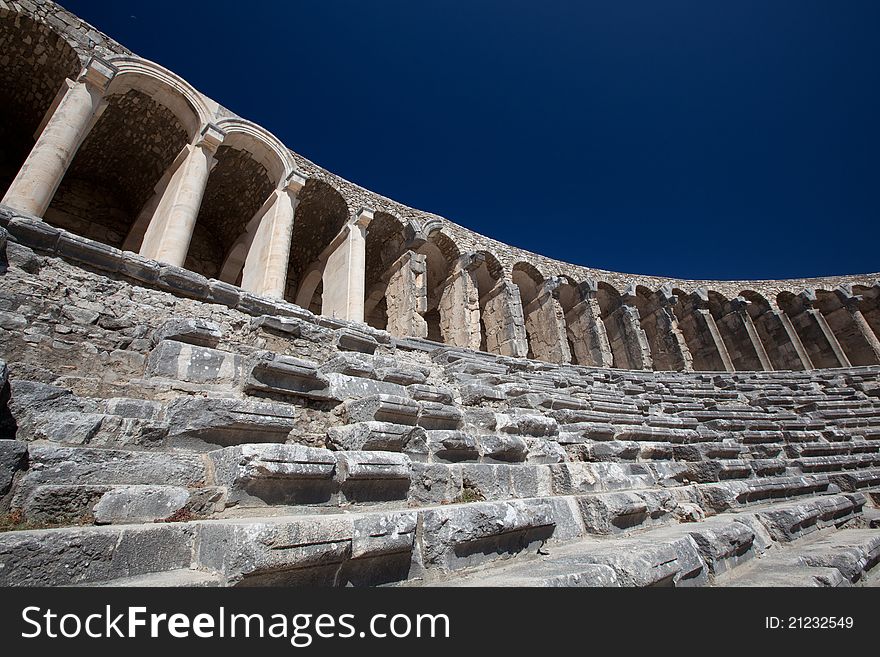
x=224 y=365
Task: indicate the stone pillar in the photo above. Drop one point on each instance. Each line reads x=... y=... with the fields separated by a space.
x=265 y=268
x=80 y=106
x=866 y=346
x=168 y=236
x=744 y=344
x=345 y=271
x=586 y=331
x=629 y=344
x=459 y=306
x=406 y=296
x=502 y=315
x=669 y=350
x=781 y=341
x=545 y=325
x=818 y=338
x=704 y=339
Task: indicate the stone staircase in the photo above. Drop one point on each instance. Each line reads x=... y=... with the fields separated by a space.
x=199 y=445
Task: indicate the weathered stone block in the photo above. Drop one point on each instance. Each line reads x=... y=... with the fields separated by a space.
x=197 y=332
x=276 y=474
x=227 y=421
x=382 y=436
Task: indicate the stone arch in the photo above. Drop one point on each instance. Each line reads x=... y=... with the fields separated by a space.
x=699 y=331
x=610 y=301
x=249 y=166
x=570 y=296
x=385 y=242
x=119 y=172
x=35 y=61
x=320 y=216
x=656 y=332
x=164 y=87
x=813 y=330
x=488 y=275
x=780 y=341
x=853 y=334
x=543 y=315
x=441 y=254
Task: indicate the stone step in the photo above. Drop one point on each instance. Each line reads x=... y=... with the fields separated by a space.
x=842 y=557
x=686 y=555
x=180 y=578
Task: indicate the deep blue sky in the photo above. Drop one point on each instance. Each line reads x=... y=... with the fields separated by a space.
x=700 y=139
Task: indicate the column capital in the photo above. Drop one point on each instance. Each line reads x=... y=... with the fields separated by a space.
x=363 y=217
x=294 y=183
x=739 y=304
x=210 y=138
x=808 y=297
x=98 y=74
x=471 y=261
x=665 y=296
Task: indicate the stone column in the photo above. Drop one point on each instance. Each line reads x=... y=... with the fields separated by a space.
x=545 y=325
x=502 y=315
x=168 y=236
x=586 y=331
x=265 y=268
x=781 y=341
x=629 y=344
x=459 y=305
x=406 y=296
x=704 y=338
x=80 y=106
x=818 y=338
x=345 y=271
x=869 y=349
x=669 y=350
x=744 y=346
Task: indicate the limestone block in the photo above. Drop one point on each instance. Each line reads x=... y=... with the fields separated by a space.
x=723 y=544
x=493 y=482
x=183 y=282
x=89 y=252
x=228 y=421
x=443 y=445
x=351 y=340
x=439 y=416
x=435 y=483
x=276 y=552
x=372 y=435
x=382 y=408
x=458 y=536
x=77 y=428
x=51 y=464
x=276 y=474
x=186 y=362
x=88 y=555
x=140 y=504
x=423 y=392
x=506 y=448
x=537 y=426
x=376 y=534
x=613 y=513
x=373 y=476
x=541 y=450
x=139 y=268
x=197 y=332
x=285 y=375
x=33 y=233
x=674 y=561
x=224 y=293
